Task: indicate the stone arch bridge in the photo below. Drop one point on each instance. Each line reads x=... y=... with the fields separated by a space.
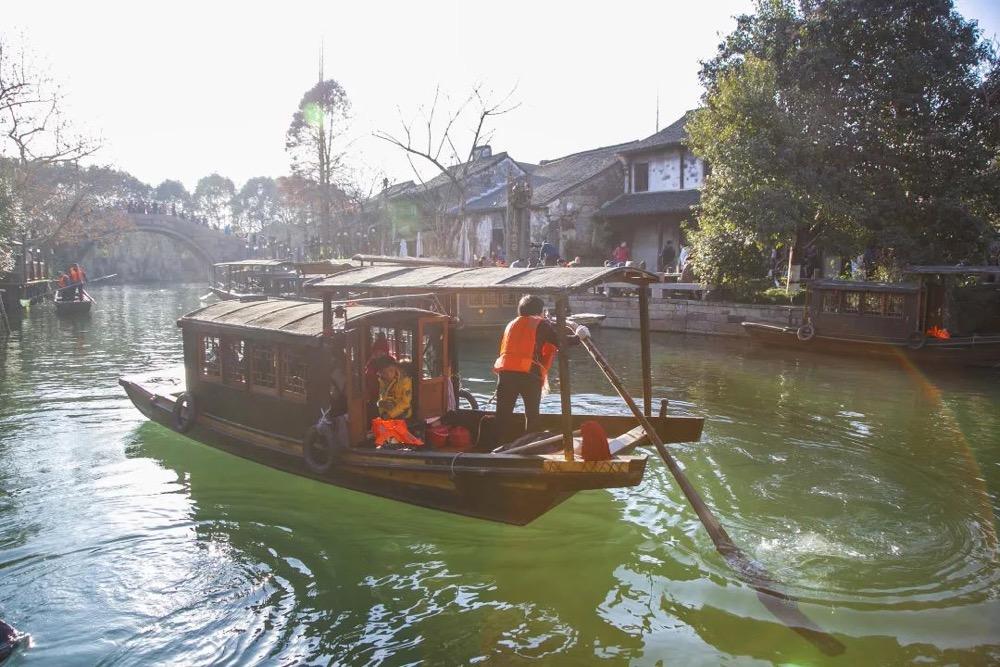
x=208 y=244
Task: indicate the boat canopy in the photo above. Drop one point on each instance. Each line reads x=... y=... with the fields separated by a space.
x=287 y=317
x=540 y=280
x=258 y=263
x=952 y=270
x=863 y=286
x=406 y=261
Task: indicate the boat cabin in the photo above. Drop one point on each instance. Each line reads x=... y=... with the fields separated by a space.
x=268 y=365
x=256 y=277
x=854 y=309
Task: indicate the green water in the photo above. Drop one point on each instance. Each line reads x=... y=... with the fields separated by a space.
x=871 y=490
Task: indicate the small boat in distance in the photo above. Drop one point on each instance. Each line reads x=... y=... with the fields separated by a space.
x=71 y=306
x=258 y=382
x=945 y=315
x=255 y=279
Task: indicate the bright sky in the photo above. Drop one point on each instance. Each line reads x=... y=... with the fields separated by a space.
x=183 y=88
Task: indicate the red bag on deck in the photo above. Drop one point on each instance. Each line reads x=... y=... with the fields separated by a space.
x=595 y=442
x=459 y=438
x=386 y=430
x=437 y=435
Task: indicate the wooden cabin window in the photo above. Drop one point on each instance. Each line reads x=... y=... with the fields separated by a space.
x=509 y=299
x=264 y=367
x=852 y=302
x=831 y=302
x=234 y=361
x=404 y=344
x=432 y=351
x=871 y=304
x=474 y=300
x=894 y=305
x=208 y=362
x=293 y=374
x=491 y=300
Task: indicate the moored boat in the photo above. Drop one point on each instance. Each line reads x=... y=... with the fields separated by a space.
x=257 y=383
x=926 y=320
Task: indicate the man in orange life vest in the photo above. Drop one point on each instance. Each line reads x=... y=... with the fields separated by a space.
x=527 y=348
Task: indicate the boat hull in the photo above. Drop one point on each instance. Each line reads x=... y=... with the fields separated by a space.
x=71 y=308
x=513 y=489
x=980 y=351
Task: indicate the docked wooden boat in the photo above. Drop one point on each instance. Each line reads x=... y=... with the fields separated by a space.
x=257 y=383
x=256 y=279
x=925 y=320
x=70 y=306
x=586 y=319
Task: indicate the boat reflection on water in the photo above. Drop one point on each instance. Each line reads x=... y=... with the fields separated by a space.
x=313 y=571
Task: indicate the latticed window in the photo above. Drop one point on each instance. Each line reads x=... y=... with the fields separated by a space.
x=293 y=373
x=852 y=302
x=264 y=366
x=831 y=302
x=208 y=364
x=432 y=352
x=894 y=305
x=234 y=361
x=871 y=304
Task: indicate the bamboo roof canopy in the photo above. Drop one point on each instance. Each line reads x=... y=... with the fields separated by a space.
x=861 y=285
x=288 y=317
x=407 y=261
x=548 y=279
x=258 y=262
x=953 y=270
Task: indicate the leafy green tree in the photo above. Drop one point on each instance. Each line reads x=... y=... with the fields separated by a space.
x=213 y=199
x=257 y=204
x=173 y=194
x=847 y=124
x=316 y=143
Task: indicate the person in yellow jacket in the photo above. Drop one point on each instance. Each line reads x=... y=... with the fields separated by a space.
x=395 y=390
x=527 y=348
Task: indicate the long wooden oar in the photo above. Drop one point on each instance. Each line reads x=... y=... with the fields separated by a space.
x=95 y=280
x=748 y=569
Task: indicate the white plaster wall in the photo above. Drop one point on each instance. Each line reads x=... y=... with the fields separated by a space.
x=694 y=172
x=483 y=235
x=665 y=171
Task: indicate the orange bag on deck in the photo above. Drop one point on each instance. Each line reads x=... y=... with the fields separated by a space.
x=939 y=333
x=386 y=430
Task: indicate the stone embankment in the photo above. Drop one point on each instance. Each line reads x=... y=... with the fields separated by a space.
x=683 y=316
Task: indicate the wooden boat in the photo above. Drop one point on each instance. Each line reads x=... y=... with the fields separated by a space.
x=900 y=319
x=255 y=279
x=587 y=319
x=70 y=307
x=256 y=383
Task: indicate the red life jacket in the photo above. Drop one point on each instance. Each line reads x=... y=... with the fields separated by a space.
x=517 y=347
x=74 y=275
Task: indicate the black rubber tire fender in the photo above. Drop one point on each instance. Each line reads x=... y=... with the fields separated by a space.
x=182 y=422
x=806 y=332
x=310 y=443
x=469 y=398
x=916 y=340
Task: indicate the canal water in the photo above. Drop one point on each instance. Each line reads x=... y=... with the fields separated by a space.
x=871 y=490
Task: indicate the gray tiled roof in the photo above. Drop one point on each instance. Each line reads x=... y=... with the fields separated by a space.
x=672 y=135
x=650 y=203
x=554 y=177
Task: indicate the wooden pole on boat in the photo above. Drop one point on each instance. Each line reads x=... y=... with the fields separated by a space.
x=562 y=305
x=745 y=567
x=327 y=316
x=647 y=376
